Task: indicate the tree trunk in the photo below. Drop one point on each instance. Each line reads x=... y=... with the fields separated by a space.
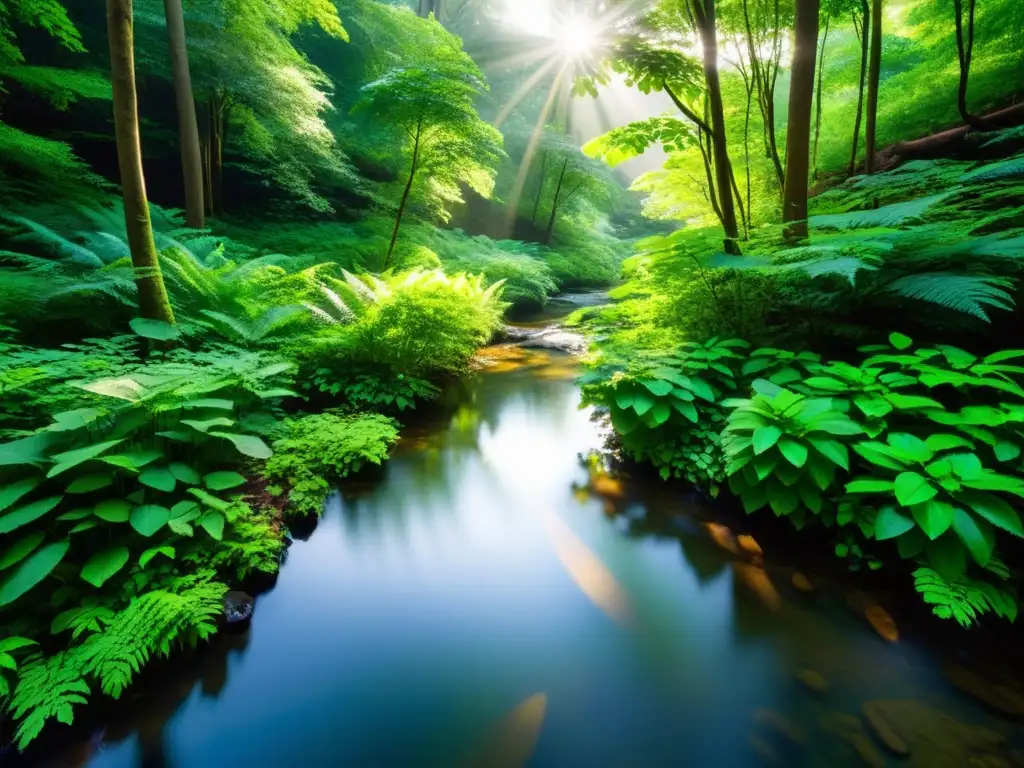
x=217 y=123
x=153 y=301
x=965 y=51
x=540 y=187
x=188 y=128
x=704 y=14
x=874 y=72
x=405 y=193
x=865 y=18
x=798 y=133
x=764 y=75
x=817 y=115
x=709 y=175
x=746 y=150
x=554 y=205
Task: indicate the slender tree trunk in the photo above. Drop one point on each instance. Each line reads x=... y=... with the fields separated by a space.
x=746 y=151
x=798 y=132
x=540 y=187
x=874 y=73
x=153 y=301
x=965 y=51
x=188 y=128
x=554 y=205
x=217 y=129
x=817 y=114
x=764 y=74
x=865 y=19
x=739 y=204
x=405 y=193
x=704 y=14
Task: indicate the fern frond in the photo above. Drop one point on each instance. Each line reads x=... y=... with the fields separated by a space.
x=970 y=294
x=55 y=243
x=893 y=215
x=963 y=600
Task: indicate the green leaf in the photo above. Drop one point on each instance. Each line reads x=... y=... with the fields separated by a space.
x=32 y=571
x=9 y=644
x=113 y=510
x=206 y=425
x=250 y=445
x=909 y=447
x=944 y=442
x=900 y=341
x=912 y=488
x=765 y=437
x=157 y=330
x=21 y=549
x=977 y=535
x=879 y=454
x=889 y=523
x=701 y=389
x=210 y=500
x=782 y=499
x=993 y=509
x=642 y=403
x=219 y=404
x=68 y=459
x=947 y=556
x=11 y=493
x=869 y=485
x=1007 y=451
x=85 y=525
x=795 y=452
x=152 y=552
x=133 y=460
x=185 y=473
x=213 y=523
x=911 y=544
x=658 y=387
x=660 y=413
x=966 y=465
x=75 y=514
x=160 y=478
x=89 y=483
x=26 y=514
x=934 y=516
x=220 y=481
x=102 y=565
x=686 y=409
x=624 y=397
x=832 y=450
x=149 y=518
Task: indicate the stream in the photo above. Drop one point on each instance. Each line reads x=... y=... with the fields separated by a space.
x=489 y=602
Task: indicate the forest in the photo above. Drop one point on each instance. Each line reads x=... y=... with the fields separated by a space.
x=248 y=248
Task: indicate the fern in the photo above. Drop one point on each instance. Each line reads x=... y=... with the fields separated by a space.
x=964 y=600
x=963 y=293
x=893 y=215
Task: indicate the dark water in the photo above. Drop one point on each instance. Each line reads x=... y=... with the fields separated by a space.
x=479 y=606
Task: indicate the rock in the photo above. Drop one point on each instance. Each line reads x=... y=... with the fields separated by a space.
x=555 y=339
x=606 y=485
x=238 y=607
x=802 y=583
x=850 y=730
x=513 y=333
x=814 y=680
x=749 y=545
x=880 y=619
x=723 y=537
x=883 y=731
x=757 y=580
x=1000 y=697
x=780 y=724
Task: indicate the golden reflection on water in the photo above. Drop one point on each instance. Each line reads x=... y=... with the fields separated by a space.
x=512 y=739
x=591 y=575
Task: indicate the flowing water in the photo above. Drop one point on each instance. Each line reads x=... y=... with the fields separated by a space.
x=490 y=601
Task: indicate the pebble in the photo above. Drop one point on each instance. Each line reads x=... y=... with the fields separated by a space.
x=883 y=731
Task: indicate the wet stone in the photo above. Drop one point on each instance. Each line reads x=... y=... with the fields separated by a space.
x=883 y=730
x=238 y=608
x=993 y=694
x=850 y=730
x=776 y=722
x=813 y=679
x=802 y=583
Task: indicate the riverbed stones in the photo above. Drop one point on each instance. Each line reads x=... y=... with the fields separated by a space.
x=997 y=696
x=851 y=730
x=883 y=730
x=556 y=339
x=238 y=608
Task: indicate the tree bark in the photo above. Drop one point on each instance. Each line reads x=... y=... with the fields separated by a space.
x=798 y=133
x=704 y=15
x=965 y=51
x=554 y=205
x=405 y=193
x=874 y=73
x=865 y=19
x=765 y=75
x=188 y=127
x=153 y=301
x=817 y=115
x=217 y=130
x=540 y=187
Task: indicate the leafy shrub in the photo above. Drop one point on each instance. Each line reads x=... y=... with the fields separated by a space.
x=321 y=448
x=373 y=391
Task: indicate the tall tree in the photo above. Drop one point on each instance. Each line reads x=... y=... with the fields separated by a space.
x=153 y=301
x=874 y=74
x=447 y=140
x=188 y=128
x=862 y=32
x=818 y=92
x=798 y=132
x=965 y=52
x=763 y=27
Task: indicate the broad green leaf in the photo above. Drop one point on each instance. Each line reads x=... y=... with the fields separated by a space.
x=76 y=419
x=185 y=473
x=9 y=644
x=782 y=499
x=900 y=341
x=149 y=518
x=250 y=445
x=765 y=437
x=688 y=410
x=869 y=485
x=149 y=554
x=912 y=488
x=624 y=397
x=821 y=470
x=912 y=402
x=213 y=523
x=158 y=330
x=943 y=442
x=658 y=387
x=701 y=389
x=660 y=413
x=911 y=544
x=966 y=465
x=133 y=460
x=993 y=509
x=210 y=402
x=206 y=425
x=89 y=483
x=642 y=403
x=32 y=450
x=832 y=450
x=102 y=565
x=27 y=513
x=21 y=549
x=1007 y=451
x=795 y=452
x=160 y=478
x=32 y=571
x=75 y=514
x=947 y=556
x=934 y=516
x=879 y=454
x=113 y=510
x=889 y=523
x=210 y=500
x=9 y=494
x=977 y=535
x=178 y=435
x=909 y=447
x=85 y=525
x=68 y=459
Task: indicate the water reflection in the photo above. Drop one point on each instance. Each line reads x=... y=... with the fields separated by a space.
x=494 y=598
